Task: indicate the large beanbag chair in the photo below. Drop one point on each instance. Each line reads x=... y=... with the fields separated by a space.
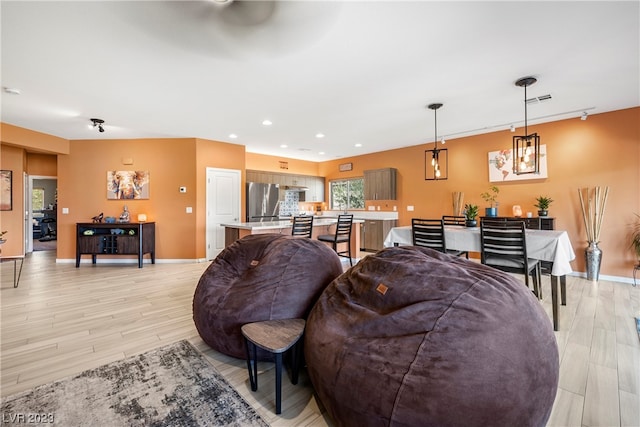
x=260 y=277
x=413 y=337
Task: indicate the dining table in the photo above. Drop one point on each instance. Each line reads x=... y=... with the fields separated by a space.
x=551 y=246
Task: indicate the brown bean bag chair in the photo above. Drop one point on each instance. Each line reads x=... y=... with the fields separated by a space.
x=260 y=277
x=413 y=337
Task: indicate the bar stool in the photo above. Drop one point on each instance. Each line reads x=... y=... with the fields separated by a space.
x=274 y=336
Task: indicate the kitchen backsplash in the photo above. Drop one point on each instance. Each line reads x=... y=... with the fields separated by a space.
x=290 y=205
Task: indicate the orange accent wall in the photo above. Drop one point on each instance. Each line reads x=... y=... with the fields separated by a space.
x=13 y=159
x=35 y=141
x=601 y=151
x=211 y=154
x=172 y=163
x=267 y=163
x=42 y=164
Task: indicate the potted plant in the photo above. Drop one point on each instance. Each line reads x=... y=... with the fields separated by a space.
x=470 y=214
x=543 y=204
x=491 y=197
x=2 y=239
x=635 y=238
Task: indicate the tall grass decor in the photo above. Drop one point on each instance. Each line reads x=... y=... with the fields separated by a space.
x=592 y=203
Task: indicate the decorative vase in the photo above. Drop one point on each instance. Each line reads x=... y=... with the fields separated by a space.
x=471 y=223
x=593 y=258
x=491 y=211
x=543 y=212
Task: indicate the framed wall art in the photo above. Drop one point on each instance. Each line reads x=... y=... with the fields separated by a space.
x=501 y=166
x=6 y=190
x=127 y=185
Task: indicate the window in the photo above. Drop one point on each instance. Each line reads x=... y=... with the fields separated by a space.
x=346 y=194
x=37 y=199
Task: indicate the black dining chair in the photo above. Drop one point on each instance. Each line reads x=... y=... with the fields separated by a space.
x=429 y=233
x=459 y=220
x=503 y=246
x=342 y=236
x=302 y=226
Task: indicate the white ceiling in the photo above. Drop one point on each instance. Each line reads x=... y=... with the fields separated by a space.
x=358 y=72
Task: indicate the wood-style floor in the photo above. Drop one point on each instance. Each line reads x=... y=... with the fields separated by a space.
x=62 y=320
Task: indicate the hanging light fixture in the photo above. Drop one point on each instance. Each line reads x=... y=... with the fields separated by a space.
x=435 y=161
x=526 y=149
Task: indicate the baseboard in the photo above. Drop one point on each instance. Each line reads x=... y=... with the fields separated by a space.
x=132 y=261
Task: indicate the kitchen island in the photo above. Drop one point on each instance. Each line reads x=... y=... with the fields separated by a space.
x=321 y=225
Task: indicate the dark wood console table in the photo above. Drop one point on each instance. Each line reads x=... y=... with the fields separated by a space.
x=133 y=238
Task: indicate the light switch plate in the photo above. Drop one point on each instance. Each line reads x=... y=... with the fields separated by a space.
x=65 y=211
x=189 y=209
x=410 y=208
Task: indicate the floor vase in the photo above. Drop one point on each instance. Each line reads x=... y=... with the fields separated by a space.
x=593 y=258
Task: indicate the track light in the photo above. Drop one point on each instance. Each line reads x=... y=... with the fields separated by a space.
x=584 y=116
x=98 y=123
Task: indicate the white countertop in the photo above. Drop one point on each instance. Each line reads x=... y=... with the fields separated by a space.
x=379 y=215
x=275 y=225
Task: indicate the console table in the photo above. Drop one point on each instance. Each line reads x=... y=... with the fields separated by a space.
x=133 y=238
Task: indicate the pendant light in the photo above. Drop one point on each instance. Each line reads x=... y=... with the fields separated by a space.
x=435 y=161
x=526 y=149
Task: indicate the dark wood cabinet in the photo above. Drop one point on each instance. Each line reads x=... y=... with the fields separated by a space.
x=134 y=238
x=380 y=184
x=537 y=222
x=373 y=233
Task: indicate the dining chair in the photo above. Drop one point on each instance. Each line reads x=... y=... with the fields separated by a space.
x=341 y=236
x=459 y=220
x=503 y=246
x=429 y=233
x=302 y=226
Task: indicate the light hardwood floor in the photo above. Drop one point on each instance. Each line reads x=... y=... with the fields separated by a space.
x=62 y=320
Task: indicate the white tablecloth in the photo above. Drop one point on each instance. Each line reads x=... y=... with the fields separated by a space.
x=544 y=245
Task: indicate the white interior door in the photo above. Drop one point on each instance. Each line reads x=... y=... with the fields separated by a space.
x=223 y=206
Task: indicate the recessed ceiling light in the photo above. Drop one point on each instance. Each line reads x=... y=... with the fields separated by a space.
x=283 y=145
x=321 y=153
x=233 y=136
x=12 y=90
x=319 y=135
x=267 y=122
x=358 y=145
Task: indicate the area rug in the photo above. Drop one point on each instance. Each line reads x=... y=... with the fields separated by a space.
x=170 y=386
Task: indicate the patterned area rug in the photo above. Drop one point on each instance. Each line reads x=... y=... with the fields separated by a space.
x=171 y=386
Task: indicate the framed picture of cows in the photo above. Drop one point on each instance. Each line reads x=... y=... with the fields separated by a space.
x=127 y=184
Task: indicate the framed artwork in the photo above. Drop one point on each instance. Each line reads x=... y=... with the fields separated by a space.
x=127 y=185
x=501 y=166
x=344 y=167
x=6 y=190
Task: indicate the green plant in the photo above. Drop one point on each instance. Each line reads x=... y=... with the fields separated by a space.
x=543 y=203
x=491 y=195
x=470 y=212
x=2 y=233
x=635 y=237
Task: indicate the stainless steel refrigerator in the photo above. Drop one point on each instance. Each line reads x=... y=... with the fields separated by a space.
x=262 y=202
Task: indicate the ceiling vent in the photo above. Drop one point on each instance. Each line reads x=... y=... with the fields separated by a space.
x=538 y=99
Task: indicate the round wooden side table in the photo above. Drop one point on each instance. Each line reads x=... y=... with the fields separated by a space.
x=274 y=336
